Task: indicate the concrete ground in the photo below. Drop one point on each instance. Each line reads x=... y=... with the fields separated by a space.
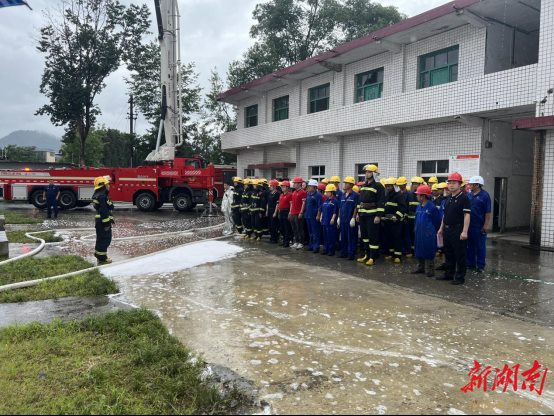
x=325 y=335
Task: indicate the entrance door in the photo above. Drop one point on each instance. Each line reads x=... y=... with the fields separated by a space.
x=500 y=204
x=280 y=174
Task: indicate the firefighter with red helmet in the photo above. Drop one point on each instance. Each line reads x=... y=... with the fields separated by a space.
x=454 y=230
x=103 y=219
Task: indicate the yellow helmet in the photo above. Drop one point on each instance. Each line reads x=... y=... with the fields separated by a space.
x=334 y=179
x=356 y=188
x=435 y=187
x=101 y=181
x=442 y=185
x=247 y=181
x=254 y=181
x=433 y=179
x=371 y=168
x=325 y=181
x=237 y=179
x=382 y=181
x=330 y=188
x=417 y=179
x=402 y=181
x=262 y=181
x=390 y=181
x=350 y=179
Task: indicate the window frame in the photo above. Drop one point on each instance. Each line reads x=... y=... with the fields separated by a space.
x=441 y=176
x=422 y=70
x=358 y=88
x=316 y=100
x=277 y=110
x=360 y=167
x=247 y=117
x=247 y=173
x=320 y=174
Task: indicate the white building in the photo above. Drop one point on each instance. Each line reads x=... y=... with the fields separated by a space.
x=461 y=87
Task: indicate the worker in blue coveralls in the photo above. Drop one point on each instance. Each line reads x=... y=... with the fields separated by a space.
x=51 y=195
x=329 y=216
x=347 y=219
x=428 y=222
x=312 y=215
x=481 y=214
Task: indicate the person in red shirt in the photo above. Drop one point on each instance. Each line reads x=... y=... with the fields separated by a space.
x=297 y=213
x=283 y=212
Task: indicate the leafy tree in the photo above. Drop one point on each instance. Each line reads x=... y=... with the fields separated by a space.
x=71 y=148
x=83 y=43
x=118 y=149
x=21 y=153
x=289 y=31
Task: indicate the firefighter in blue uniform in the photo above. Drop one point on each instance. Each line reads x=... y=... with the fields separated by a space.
x=348 y=210
x=52 y=195
x=395 y=209
x=312 y=216
x=237 y=198
x=370 y=210
x=412 y=204
x=481 y=214
x=103 y=219
x=329 y=216
x=428 y=222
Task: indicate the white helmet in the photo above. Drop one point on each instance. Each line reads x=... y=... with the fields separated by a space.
x=477 y=180
x=312 y=182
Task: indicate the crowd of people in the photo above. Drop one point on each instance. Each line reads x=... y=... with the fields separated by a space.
x=366 y=220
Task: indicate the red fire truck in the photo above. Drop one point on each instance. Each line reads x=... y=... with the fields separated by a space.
x=184 y=182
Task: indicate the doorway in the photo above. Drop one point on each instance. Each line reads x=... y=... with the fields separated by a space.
x=280 y=174
x=500 y=204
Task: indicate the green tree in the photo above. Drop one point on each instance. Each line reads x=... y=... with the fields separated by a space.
x=21 y=154
x=71 y=148
x=118 y=149
x=289 y=31
x=83 y=43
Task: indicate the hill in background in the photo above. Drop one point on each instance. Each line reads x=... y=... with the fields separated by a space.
x=30 y=138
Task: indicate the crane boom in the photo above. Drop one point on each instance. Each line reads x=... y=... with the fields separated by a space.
x=167 y=16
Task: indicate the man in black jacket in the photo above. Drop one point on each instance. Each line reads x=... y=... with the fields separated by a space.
x=103 y=219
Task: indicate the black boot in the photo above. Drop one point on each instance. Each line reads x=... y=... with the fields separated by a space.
x=420 y=267
x=430 y=268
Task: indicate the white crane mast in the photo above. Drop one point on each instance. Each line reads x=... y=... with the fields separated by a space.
x=167 y=16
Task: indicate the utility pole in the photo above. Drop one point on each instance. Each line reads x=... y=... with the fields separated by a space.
x=132 y=118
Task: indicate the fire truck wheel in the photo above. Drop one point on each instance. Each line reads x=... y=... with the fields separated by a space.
x=182 y=202
x=145 y=202
x=37 y=199
x=68 y=200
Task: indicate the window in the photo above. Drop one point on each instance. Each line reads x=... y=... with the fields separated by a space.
x=317 y=172
x=360 y=172
x=249 y=173
x=428 y=168
x=438 y=67
x=251 y=116
x=369 y=85
x=319 y=98
x=281 y=108
x=193 y=163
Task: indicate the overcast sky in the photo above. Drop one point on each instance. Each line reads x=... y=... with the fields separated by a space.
x=214 y=32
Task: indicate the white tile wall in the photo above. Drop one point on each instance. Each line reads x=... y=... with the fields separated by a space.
x=547 y=231
x=367 y=148
x=249 y=157
x=334 y=78
x=318 y=153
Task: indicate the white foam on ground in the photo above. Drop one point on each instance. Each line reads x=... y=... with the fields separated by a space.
x=179 y=258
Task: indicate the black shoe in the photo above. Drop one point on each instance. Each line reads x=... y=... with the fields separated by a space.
x=331 y=254
x=457 y=282
x=430 y=274
x=343 y=256
x=442 y=267
x=352 y=258
x=471 y=267
x=316 y=251
x=286 y=245
x=444 y=278
x=418 y=271
x=324 y=253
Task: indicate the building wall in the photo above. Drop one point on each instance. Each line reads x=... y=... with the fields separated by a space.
x=507 y=48
x=367 y=148
x=317 y=153
x=249 y=157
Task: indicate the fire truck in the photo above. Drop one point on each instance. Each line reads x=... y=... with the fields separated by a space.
x=164 y=178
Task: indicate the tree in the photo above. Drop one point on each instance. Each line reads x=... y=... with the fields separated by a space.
x=289 y=31
x=118 y=149
x=21 y=154
x=84 y=42
x=71 y=148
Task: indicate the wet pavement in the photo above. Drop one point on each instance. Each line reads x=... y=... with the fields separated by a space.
x=321 y=335
x=66 y=309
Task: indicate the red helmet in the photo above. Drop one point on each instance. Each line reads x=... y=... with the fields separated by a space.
x=274 y=182
x=424 y=190
x=455 y=177
x=298 y=179
x=321 y=186
x=361 y=183
x=285 y=183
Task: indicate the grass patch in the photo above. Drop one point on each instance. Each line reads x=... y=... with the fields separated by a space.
x=20 y=237
x=88 y=284
x=13 y=217
x=120 y=363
